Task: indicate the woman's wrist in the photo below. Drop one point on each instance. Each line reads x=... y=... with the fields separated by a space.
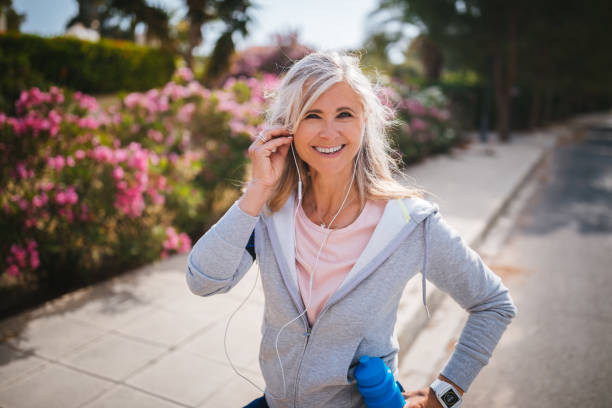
x=254 y=198
x=443 y=378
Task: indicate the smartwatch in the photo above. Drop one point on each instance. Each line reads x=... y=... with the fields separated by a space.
x=448 y=395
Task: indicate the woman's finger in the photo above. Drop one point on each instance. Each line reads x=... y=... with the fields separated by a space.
x=273 y=144
x=271 y=133
x=416 y=393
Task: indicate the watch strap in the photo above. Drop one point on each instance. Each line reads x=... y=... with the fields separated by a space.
x=448 y=395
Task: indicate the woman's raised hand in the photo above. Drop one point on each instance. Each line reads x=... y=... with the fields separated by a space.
x=267 y=153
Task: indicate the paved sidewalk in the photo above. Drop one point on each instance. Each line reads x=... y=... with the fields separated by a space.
x=144 y=340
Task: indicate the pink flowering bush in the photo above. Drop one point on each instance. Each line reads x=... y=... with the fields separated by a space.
x=87 y=192
x=425 y=123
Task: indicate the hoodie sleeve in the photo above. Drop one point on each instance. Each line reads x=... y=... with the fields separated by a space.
x=219 y=259
x=458 y=270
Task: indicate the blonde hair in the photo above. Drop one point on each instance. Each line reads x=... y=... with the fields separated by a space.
x=305 y=81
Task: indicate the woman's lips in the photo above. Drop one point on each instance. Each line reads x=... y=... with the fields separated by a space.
x=334 y=154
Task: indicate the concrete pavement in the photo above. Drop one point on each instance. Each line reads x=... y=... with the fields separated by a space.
x=144 y=340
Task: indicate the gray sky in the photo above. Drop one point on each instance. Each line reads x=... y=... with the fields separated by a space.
x=324 y=24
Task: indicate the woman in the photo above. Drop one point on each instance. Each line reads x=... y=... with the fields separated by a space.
x=337 y=239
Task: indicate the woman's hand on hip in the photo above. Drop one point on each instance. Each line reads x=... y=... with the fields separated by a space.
x=423 y=398
x=268 y=153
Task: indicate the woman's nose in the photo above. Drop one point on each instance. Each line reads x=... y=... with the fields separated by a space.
x=329 y=130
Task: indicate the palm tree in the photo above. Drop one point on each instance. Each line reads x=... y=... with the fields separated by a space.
x=235 y=16
x=110 y=15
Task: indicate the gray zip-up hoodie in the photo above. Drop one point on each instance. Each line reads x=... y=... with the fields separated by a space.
x=359 y=318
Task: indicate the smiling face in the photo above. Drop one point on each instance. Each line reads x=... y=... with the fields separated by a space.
x=329 y=135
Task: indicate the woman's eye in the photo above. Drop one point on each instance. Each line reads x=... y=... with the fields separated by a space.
x=312 y=116
x=348 y=115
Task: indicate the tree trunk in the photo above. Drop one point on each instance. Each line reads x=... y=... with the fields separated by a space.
x=501 y=97
x=195 y=39
x=504 y=78
x=536 y=104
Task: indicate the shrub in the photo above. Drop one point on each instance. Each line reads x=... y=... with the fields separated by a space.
x=425 y=126
x=105 y=66
x=87 y=193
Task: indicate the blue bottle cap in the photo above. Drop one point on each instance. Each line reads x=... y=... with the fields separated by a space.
x=376 y=384
x=370 y=371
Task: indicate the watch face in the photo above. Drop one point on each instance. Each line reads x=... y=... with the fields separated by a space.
x=450 y=398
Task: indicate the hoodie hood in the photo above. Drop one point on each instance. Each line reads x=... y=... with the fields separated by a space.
x=399 y=218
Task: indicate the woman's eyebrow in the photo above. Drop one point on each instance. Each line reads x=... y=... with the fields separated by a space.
x=337 y=110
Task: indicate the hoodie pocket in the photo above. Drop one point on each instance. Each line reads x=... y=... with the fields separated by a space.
x=342 y=365
x=288 y=350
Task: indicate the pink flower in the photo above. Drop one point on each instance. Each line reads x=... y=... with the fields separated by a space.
x=237 y=126
x=154 y=158
x=129 y=200
x=118 y=173
x=142 y=178
x=413 y=106
x=12 y=270
x=131 y=99
x=102 y=153
x=21 y=169
x=86 y=102
x=157 y=198
x=172 y=239
x=67 y=213
x=19 y=253
x=61 y=198
x=60 y=162
x=32 y=245
x=155 y=135
x=229 y=106
x=88 y=122
x=185 y=74
x=185 y=245
x=71 y=195
x=34 y=261
x=184 y=114
x=120 y=155
x=38 y=201
x=161 y=183
x=439 y=114
x=79 y=154
x=418 y=124
x=139 y=160
x=54 y=117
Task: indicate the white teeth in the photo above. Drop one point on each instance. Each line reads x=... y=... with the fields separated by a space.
x=328 y=149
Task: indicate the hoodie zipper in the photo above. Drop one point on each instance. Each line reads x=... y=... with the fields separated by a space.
x=309 y=333
x=299 y=370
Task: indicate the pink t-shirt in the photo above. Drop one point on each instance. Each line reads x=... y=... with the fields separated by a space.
x=343 y=248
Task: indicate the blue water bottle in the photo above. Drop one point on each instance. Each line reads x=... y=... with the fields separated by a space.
x=376 y=384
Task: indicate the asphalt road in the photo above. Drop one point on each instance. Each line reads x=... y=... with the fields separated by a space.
x=557 y=263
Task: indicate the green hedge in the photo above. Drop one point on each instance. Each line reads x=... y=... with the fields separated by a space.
x=102 y=67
